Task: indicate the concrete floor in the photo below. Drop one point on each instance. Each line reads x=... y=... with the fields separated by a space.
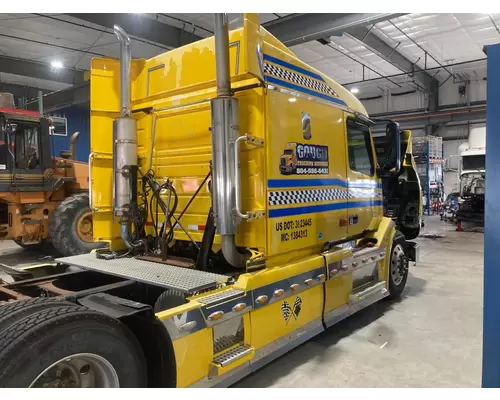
x=431 y=338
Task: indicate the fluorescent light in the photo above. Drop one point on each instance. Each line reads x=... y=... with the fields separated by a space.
x=354 y=90
x=56 y=64
x=292 y=99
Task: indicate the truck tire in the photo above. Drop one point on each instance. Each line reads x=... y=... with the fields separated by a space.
x=398 y=267
x=70 y=346
x=410 y=233
x=13 y=312
x=70 y=226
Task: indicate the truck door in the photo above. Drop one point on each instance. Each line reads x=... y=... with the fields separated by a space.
x=365 y=197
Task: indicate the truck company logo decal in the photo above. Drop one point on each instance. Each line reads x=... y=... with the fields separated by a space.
x=288 y=312
x=304 y=159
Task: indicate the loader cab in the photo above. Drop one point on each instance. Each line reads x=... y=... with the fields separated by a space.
x=24 y=143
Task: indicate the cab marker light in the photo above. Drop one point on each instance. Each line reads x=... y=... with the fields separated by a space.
x=294 y=287
x=278 y=293
x=261 y=299
x=239 y=307
x=216 y=315
x=308 y=281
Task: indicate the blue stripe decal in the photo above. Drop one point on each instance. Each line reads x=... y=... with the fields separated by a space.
x=285 y=212
x=295 y=183
x=288 y=85
x=292 y=67
x=365 y=185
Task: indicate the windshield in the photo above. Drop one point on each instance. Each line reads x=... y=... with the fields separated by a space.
x=20 y=145
x=288 y=152
x=476 y=162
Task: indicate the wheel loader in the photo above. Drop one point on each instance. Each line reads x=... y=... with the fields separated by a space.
x=216 y=262
x=43 y=199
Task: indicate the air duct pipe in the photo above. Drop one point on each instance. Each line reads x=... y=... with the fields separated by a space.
x=225 y=130
x=124 y=144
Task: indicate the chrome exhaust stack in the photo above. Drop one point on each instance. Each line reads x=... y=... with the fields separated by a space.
x=225 y=130
x=124 y=144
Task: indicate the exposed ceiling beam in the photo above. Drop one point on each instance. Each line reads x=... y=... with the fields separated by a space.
x=142 y=27
x=76 y=95
x=392 y=56
x=20 y=90
x=34 y=69
x=302 y=28
x=476 y=114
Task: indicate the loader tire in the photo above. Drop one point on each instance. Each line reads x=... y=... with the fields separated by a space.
x=70 y=346
x=66 y=226
x=13 y=312
x=398 y=267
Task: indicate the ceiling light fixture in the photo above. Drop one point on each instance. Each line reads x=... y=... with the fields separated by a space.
x=354 y=90
x=56 y=64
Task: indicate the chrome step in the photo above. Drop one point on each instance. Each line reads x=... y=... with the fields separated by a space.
x=233 y=354
x=220 y=297
x=377 y=288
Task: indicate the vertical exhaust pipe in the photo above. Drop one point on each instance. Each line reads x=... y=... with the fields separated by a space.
x=72 y=144
x=124 y=145
x=225 y=130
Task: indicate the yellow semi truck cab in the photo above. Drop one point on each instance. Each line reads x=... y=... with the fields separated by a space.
x=238 y=191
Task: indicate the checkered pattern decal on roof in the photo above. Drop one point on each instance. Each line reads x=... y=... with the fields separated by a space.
x=296 y=78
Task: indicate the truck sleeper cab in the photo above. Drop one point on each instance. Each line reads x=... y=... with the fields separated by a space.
x=218 y=261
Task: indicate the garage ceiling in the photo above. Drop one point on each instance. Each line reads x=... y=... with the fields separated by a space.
x=347 y=56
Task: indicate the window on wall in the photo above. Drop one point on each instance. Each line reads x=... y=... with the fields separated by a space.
x=359 y=148
x=60 y=126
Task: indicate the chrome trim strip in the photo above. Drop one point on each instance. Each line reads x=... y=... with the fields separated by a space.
x=286 y=284
x=184 y=324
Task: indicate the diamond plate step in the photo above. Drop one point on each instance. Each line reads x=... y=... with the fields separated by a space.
x=221 y=296
x=168 y=276
x=233 y=355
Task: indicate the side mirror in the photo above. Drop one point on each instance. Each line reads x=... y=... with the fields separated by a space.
x=391 y=164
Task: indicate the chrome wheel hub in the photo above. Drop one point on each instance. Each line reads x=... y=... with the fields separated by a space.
x=83 y=370
x=399 y=265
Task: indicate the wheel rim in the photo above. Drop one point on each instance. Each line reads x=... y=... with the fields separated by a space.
x=398 y=265
x=84 y=227
x=83 y=370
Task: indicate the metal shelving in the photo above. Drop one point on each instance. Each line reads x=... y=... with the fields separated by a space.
x=428 y=155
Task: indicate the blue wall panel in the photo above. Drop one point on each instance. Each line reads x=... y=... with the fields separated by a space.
x=491 y=312
x=78 y=119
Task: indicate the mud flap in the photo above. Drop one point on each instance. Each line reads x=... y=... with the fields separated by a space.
x=413 y=251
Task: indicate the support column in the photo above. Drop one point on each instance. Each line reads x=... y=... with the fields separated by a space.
x=40 y=102
x=491 y=305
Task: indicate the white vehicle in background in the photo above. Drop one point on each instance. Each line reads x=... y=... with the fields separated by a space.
x=472 y=177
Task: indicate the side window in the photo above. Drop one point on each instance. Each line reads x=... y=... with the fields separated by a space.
x=359 y=148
